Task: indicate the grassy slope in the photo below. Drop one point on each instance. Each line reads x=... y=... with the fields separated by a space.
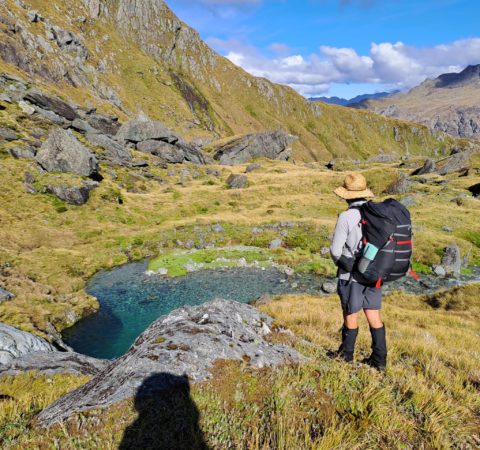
x=428 y=399
x=50 y=249
x=244 y=103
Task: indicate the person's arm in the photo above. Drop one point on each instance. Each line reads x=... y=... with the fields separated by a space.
x=339 y=238
x=338 y=242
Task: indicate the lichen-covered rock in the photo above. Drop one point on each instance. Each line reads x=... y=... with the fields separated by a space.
x=269 y=144
x=62 y=152
x=54 y=362
x=186 y=342
x=15 y=343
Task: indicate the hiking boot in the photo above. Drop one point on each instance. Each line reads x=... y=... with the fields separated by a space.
x=347 y=347
x=378 y=358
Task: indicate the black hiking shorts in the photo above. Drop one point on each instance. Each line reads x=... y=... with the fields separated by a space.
x=355 y=296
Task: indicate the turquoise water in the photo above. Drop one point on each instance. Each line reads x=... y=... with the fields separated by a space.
x=131 y=300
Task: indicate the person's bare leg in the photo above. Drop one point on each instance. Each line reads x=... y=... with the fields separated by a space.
x=373 y=317
x=350 y=320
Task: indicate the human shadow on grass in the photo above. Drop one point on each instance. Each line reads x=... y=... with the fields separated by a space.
x=167 y=416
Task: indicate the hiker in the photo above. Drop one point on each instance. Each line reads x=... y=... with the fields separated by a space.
x=354 y=296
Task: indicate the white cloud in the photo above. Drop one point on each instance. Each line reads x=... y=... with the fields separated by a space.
x=396 y=65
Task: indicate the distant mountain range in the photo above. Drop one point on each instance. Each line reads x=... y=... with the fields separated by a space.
x=352 y=101
x=449 y=103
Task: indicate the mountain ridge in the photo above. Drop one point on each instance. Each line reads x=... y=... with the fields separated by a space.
x=137 y=58
x=448 y=103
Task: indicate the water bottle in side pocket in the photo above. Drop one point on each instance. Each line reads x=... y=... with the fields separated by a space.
x=369 y=253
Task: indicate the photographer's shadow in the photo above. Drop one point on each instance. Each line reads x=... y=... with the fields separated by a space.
x=167 y=416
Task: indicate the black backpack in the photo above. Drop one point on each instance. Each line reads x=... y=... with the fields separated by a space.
x=387 y=226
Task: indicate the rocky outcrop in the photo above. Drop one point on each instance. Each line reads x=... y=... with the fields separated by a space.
x=15 y=343
x=51 y=103
x=155 y=138
x=113 y=151
x=269 y=144
x=74 y=195
x=401 y=185
x=55 y=362
x=62 y=152
x=186 y=342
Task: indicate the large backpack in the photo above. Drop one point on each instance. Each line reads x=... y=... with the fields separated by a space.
x=388 y=227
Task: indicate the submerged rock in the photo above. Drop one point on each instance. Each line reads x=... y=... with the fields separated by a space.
x=187 y=341
x=268 y=144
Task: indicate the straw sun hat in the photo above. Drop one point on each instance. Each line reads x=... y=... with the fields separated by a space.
x=354 y=186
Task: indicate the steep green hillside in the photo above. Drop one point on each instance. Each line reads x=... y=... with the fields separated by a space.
x=136 y=57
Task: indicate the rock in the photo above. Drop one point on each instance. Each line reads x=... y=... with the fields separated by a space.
x=269 y=144
x=235 y=181
x=144 y=130
x=325 y=251
x=217 y=228
x=15 y=343
x=26 y=108
x=212 y=171
x=5 y=98
x=139 y=163
x=33 y=16
x=5 y=295
x=83 y=126
x=55 y=362
x=452 y=260
x=51 y=103
x=475 y=190
x=252 y=167
x=257 y=230
x=104 y=124
x=114 y=151
x=408 y=201
x=455 y=163
x=62 y=152
x=401 y=185
x=73 y=195
x=448 y=229
x=164 y=150
x=8 y=135
x=428 y=167
x=329 y=287
x=439 y=271
x=187 y=342
x=24 y=151
x=276 y=243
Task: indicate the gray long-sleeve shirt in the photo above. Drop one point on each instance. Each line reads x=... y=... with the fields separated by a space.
x=347 y=236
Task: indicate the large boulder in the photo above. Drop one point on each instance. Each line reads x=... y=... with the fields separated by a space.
x=114 y=151
x=454 y=163
x=168 y=152
x=15 y=343
x=188 y=341
x=428 y=167
x=236 y=181
x=62 y=152
x=269 y=144
x=401 y=185
x=51 y=103
x=55 y=362
x=143 y=130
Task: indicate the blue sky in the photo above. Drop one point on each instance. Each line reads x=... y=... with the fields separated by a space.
x=340 y=47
